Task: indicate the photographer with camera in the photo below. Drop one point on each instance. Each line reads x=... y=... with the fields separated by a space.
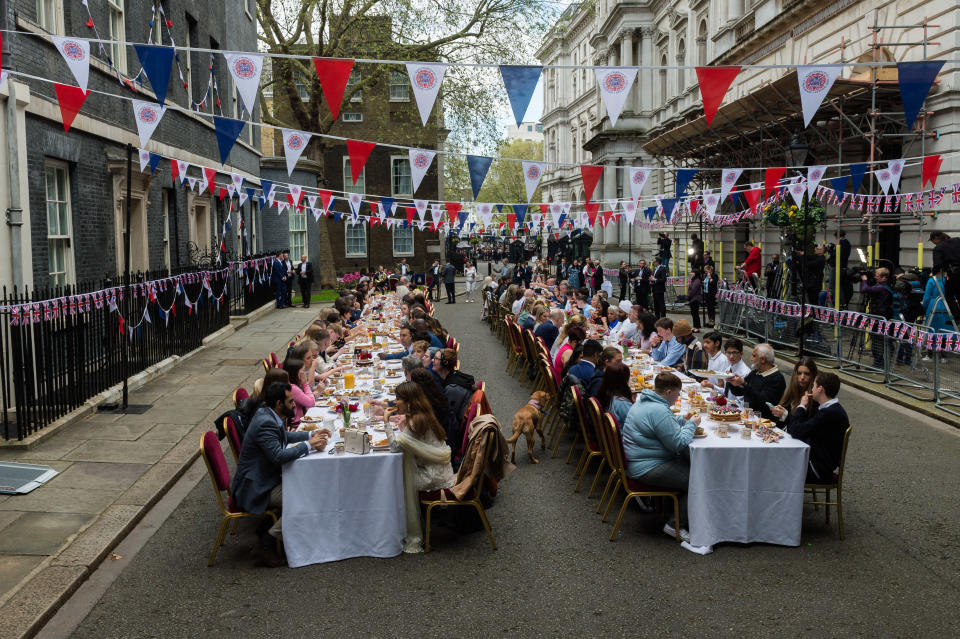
x=881 y=303
x=946 y=258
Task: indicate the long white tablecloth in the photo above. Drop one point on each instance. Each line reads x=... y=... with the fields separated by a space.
x=743 y=490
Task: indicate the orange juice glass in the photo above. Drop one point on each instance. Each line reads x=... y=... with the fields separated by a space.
x=348 y=381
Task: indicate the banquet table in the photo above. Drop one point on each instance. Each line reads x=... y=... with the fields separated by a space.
x=741 y=490
x=338 y=506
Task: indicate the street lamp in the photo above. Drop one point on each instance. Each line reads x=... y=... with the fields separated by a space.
x=799 y=151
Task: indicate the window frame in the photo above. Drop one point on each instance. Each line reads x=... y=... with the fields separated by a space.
x=406 y=85
x=346 y=113
x=355 y=96
x=118 y=52
x=69 y=266
x=348 y=186
x=165 y=210
x=403 y=158
x=347 y=226
x=51 y=24
x=296 y=215
x=412 y=250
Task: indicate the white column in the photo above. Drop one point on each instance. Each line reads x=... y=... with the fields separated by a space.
x=609 y=192
x=645 y=93
x=626 y=60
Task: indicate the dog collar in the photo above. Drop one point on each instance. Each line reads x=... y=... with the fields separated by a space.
x=534 y=402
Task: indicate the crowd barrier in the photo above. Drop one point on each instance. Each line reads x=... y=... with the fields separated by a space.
x=906 y=358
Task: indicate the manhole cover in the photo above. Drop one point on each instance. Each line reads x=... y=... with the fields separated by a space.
x=22 y=478
x=239 y=362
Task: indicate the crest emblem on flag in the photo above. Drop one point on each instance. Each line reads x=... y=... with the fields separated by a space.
x=72 y=50
x=615 y=82
x=815 y=174
x=639 y=177
x=815 y=82
x=148 y=114
x=244 y=67
x=421 y=161
x=425 y=78
x=295 y=142
x=895 y=168
x=885 y=175
x=730 y=178
x=533 y=172
x=711 y=200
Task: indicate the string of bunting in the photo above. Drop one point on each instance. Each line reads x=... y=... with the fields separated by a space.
x=901 y=331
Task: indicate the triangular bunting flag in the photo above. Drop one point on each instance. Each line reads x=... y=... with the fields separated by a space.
x=896 y=169
x=3 y=77
x=630 y=210
x=592 y=208
x=591 y=176
x=519 y=212
x=797 y=189
x=295 y=195
x=425 y=80
x=815 y=83
x=838 y=184
x=814 y=175
x=144 y=159
x=714 y=82
x=294 y=144
x=228 y=130
x=638 y=179
x=333 y=74
x=420 y=161
x=520 y=82
x=452 y=209
x=771 y=178
x=192 y=183
x=358 y=152
x=884 y=178
x=478 y=166
x=70 y=99
x=683 y=180
x=710 y=202
x=421 y=207
x=532 y=172
x=76 y=53
x=267 y=187
x=668 y=204
x=857 y=171
x=210 y=178
x=147 y=116
x=931 y=169
x=246 y=69
x=614 y=83
x=728 y=179
x=915 y=80
x=386 y=203
x=753 y=198
x=355 y=200
x=157 y=63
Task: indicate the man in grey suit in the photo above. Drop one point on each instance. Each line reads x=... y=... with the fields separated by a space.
x=256 y=484
x=448 y=276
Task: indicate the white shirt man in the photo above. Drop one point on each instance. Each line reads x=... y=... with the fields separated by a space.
x=402 y=290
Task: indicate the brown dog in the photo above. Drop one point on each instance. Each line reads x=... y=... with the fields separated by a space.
x=526 y=421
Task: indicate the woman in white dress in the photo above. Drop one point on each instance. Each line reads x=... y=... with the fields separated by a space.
x=470 y=275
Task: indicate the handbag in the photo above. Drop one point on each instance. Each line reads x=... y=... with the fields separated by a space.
x=356 y=441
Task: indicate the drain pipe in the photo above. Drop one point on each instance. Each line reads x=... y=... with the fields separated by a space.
x=14 y=212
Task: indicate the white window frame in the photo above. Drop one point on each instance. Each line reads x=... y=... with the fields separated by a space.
x=69 y=272
x=118 y=52
x=409 y=253
x=165 y=208
x=405 y=83
x=302 y=82
x=404 y=158
x=358 y=96
x=297 y=227
x=348 y=186
x=347 y=227
x=359 y=117
x=50 y=23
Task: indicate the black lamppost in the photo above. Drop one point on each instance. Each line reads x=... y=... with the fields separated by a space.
x=798 y=158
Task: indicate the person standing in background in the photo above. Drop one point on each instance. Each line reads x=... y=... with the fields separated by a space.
x=695 y=297
x=751 y=265
x=710 y=285
x=771 y=273
x=470 y=276
x=449 y=275
x=663 y=246
x=278 y=279
x=846 y=284
x=658 y=282
x=305 y=279
x=624 y=280
x=435 y=281
x=291 y=275
x=641 y=285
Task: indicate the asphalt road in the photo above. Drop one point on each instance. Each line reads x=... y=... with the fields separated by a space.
x=555 y=573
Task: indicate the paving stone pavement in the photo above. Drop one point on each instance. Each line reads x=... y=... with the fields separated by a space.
x=556 y=574
x=113 y=467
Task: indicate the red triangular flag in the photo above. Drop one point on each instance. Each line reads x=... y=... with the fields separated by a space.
x=606 y=217
x=333 y=74
x=591 y=175
x=544 y=208
x=358 y=152
x=753 y=198
x=174 y=170
x=511 y=220
x=452 y=209
x=714 y=82
x=71 y=99
x=325 y=199
x=89 y=23
x=693 y=206
x=592 y=208
x=771 y=178
x=223 y=192
x=931 y=169
x=211 y=176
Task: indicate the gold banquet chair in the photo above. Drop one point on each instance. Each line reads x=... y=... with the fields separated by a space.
x=834 y=485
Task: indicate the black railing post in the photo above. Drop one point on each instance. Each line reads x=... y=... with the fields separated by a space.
x=127 y=302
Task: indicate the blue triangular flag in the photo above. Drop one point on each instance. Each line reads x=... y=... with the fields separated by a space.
x=387 y=203
x=521 y=211
x=337 y=215
x=563 y=216
x=857 y=171
x=499 y=208
x=649 y=212
x=915 y=80
x=838 y=184
x=520 y=82
x=228 y=131
x=157 y=63
x=262 y=202
x=683 y=179
x=462 y=216
x=668 y=203
x=250 y=194
x=154 y=161
x=266 y=186
x=478 y=165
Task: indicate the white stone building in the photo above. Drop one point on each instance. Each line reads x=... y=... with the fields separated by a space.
x=529 y=131
x=663 y=124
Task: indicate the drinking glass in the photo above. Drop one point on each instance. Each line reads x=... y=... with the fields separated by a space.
x=348 y=381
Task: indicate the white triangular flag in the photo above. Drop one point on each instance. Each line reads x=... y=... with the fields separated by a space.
x=615 y=83
x=147 y=116
x=638 y=179
x=884 y=177
x=566 y=206
x=312 y=201
x=630 y=210
x=421 y=206
x=355 y=200
x=237 y=181
x=294 y=144
x=246 y=69
x=420 y=160
x=814 y=175
x=425 y=80
x=710 y=202
x=797 y=190
x=815 y=83
x=556 y=210
x=485 y=212
x=896 y=169
x=144 y=159
x=192 y=181
x=728 y=178
x=436 y=213
x=243 y=198
x=76 y=53
x=532 y=172
x=296 y=192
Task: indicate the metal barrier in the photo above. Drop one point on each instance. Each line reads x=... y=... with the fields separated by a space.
x=909 y=359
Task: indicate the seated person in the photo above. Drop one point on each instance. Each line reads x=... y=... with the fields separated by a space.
x=405 y=337
x=300 y=389
x=693 y=351
x=410 y=363
x=614 y=393
x=609 y=355
x=665 y=349
x=422 y=436
x=420 y=326
x=824 y=430
x=402 y=289
x=256 y=484
x=445 y=366
x=587 y=366
x=548 y=331
x=655 y=442
x=763 y=385
x=733 y=351
x=421 y=348
x=713 y=350
x=801 y=384
x=441 y=407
